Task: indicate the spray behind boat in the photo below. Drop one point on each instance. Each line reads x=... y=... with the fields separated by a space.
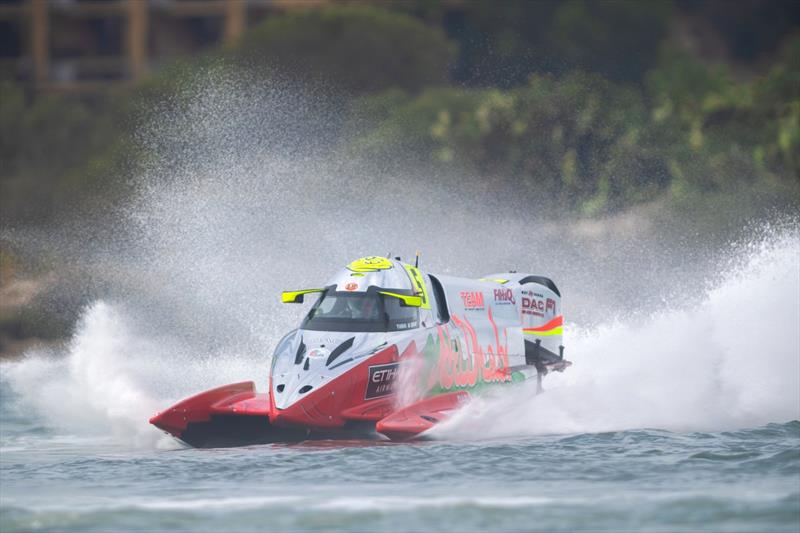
x=385 y=348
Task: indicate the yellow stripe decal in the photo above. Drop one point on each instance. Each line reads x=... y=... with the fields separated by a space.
x=556 y=331
x=418 y=282
x=411 y=301
x=290 y=297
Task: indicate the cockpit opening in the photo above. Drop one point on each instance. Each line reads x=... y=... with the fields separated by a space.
x=369 y=311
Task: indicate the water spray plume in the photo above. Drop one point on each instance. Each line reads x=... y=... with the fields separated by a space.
x=243 y=195
x=730 y=361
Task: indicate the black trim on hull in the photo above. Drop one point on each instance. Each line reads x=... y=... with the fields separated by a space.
x=536 y=354
x=230 y=431
x=339 y=350
x=541 y=280
x=301 y=351
x=225 y=431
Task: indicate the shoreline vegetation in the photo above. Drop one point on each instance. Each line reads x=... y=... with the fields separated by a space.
x=608 y=107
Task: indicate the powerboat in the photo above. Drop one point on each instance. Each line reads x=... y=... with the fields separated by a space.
x=385 y=351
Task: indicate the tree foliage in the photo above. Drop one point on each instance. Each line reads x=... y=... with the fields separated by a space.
x=595 y=145
x=54 y=150
x=356 y=47
x=594 y=104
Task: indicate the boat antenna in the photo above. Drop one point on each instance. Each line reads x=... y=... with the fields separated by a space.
x=416 y=261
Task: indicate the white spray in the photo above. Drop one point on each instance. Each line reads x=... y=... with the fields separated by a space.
x=731 y=360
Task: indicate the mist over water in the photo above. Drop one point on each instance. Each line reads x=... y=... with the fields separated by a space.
x=245 y=193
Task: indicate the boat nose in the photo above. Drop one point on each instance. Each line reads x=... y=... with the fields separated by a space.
x=319 y=365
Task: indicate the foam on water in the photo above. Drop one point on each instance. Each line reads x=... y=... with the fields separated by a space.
x=111 y=380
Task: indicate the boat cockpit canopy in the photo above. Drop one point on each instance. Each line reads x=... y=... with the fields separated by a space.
x=375 y=310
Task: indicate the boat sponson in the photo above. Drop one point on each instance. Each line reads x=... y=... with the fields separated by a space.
x=419 y=417
x=200 y=407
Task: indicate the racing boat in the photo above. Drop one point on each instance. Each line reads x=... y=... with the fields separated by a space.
x=386 y=349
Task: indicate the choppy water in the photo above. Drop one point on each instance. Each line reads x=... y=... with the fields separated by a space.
x=644 y=480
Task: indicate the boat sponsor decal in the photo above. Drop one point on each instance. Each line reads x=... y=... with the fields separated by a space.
x=381 y=380
x=370 y=264
x=351 y=286
x=419 y=285
x=473 y=300
x=554 y=327
x=504 y=297
x=319 y=353
x=457 y=359
x=406 y=325
x=538 y=306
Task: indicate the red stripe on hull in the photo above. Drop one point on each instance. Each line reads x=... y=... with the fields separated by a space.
x=557 y=321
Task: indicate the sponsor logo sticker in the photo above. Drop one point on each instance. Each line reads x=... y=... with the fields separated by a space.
x=472 y=299
x=532 y=306
x=504 y=297
x=538 y=306
x=319 y=352
x=381 y=380
x=351 y=286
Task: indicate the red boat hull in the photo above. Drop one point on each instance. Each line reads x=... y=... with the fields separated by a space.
x=236 y=415
x=232 y=415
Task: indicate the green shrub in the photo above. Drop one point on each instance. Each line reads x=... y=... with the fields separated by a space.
x=717 y=134
x=571 y=139
x=590 y=145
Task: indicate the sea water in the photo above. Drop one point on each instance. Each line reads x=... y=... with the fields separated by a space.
x=686 y=420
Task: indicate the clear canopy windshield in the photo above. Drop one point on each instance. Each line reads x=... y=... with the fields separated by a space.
x=360 y=312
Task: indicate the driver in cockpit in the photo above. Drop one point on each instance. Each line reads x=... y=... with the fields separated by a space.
x=362 y=308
